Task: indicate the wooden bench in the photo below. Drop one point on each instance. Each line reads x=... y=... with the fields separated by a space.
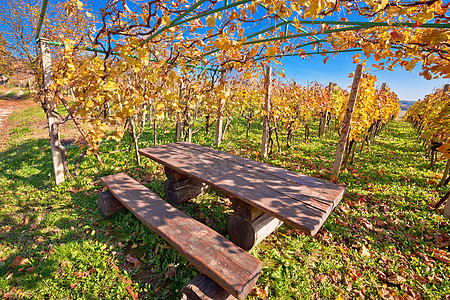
x=263 y=196
x=233 y=269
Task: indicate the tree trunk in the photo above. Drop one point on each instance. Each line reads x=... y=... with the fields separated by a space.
x=446 y=173
x=50 y=109
x=249 y=123
x=306 y=131
x=207 y=124
x=323 y=122
x=353 y=152
x=288 y=138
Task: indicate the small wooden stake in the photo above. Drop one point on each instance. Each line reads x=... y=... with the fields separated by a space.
x=347 y=123
x=179 y=127
x=58 y=167
x=266 y=117
x=219 y=114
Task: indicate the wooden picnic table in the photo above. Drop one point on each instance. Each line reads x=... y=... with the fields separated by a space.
x=263 y=196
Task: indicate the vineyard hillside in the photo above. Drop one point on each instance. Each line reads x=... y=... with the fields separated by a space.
x=385 y=239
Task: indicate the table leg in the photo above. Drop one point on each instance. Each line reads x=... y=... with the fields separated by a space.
x=248 y=225
x=179 y=188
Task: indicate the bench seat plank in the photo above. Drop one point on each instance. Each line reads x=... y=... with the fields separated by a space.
x=235 y=270
x=237 y=181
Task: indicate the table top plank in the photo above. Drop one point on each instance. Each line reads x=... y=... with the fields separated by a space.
x=232 y=178
x=213 y=255
x=289 y=183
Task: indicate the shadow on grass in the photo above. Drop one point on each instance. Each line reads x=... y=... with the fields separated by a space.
x=27 y=164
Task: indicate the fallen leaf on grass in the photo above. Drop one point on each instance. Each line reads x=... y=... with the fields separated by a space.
x=335 y=276
x=30 y=269
x=171 y=271
x=396 y=279
x=25 y=222
x=74 y=285
x=33 y=226
x=420 y=279
x=134 y=261
x=84 y=274
x=262 y=292
x=322 y=278
x=380 y=275
x=441 y=255
x=9 y=294
x=131 y=259
x=19 y=261
x=354 y=274
x=364 y=251
x=435 y=279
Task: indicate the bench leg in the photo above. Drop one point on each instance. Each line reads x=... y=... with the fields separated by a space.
x=204 y=288
x=108 y=204
x=248 y=226
x=179 y=188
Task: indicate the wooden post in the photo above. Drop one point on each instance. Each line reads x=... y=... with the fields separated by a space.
x=219 y=114
x=108 y=205
x=179 y=188
x=135 y=141
x=266 y=117
x=248 y=225
x=179 y=127
x=346 y=123
x=58 y=167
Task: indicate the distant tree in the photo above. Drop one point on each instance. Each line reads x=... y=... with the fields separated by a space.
x=5 y=58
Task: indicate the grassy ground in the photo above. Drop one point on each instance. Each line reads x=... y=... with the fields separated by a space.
x=384 y=240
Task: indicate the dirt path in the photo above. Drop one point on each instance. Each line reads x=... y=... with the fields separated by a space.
x=7 y=107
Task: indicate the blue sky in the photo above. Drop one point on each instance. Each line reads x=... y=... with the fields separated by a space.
x=407 y=85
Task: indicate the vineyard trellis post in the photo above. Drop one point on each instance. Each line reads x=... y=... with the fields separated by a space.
x=266 y=116
x=50 y=110
x=346 y=123
x=447 y=166
x=219 y=113
x=179 y=126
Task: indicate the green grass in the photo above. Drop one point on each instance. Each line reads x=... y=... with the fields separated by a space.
x=384 y=227
x=13 y=94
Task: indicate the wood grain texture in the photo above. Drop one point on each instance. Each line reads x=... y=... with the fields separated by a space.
x=301 y=201
x=183 y=190
x=108 y=205
x=229 y=266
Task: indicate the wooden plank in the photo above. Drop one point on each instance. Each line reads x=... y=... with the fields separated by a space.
x=232 y=268
x=329 y=192
x=319 y=198
x=203 y=288
x=277 y=187
x=223 y=177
